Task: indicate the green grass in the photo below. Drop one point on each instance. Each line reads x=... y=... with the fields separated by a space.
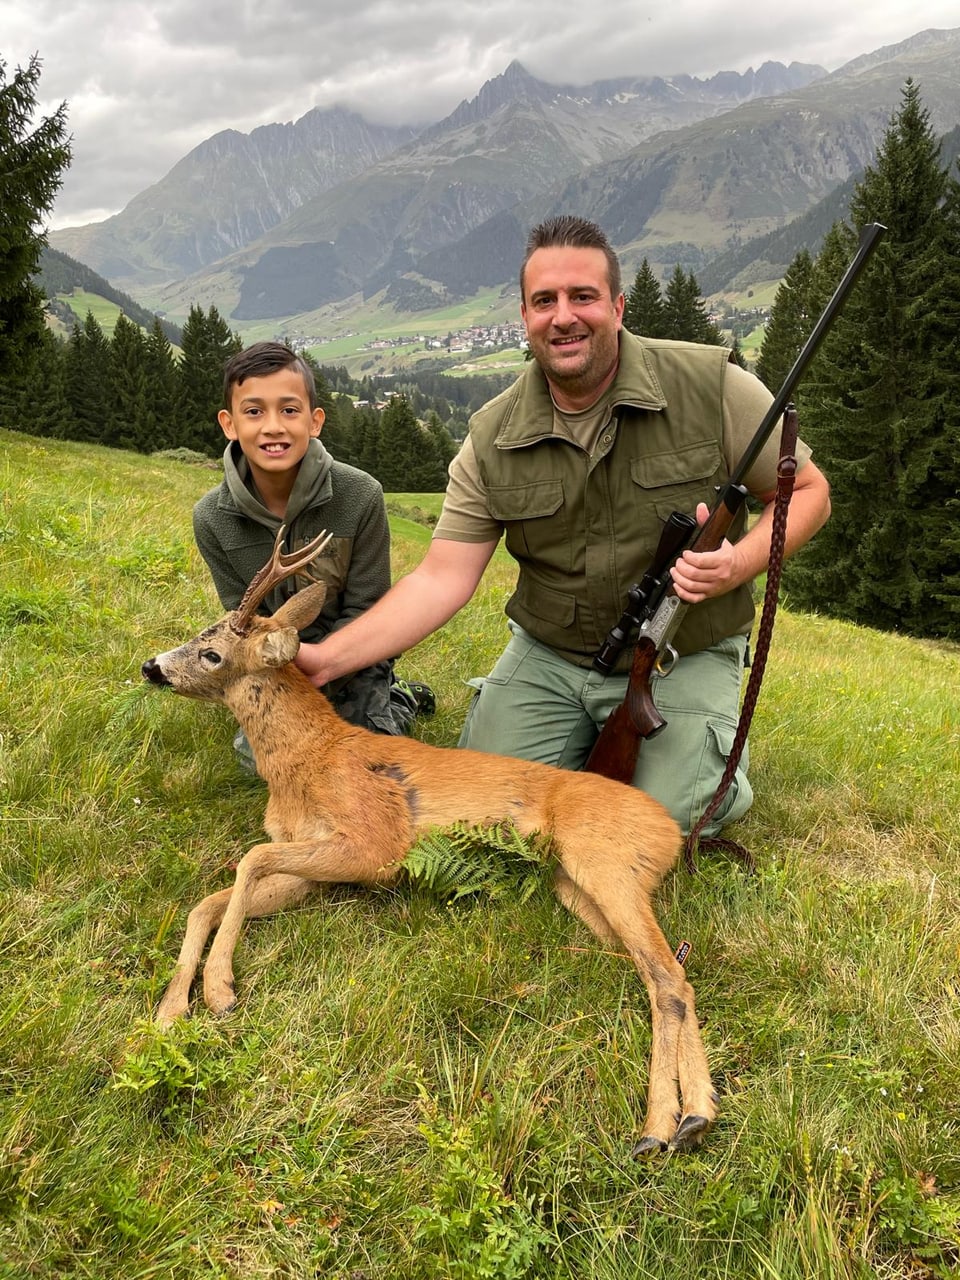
x=411 y=1090
x=104 y=312
x=752 y=343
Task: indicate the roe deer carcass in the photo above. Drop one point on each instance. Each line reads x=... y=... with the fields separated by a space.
x=345 y=806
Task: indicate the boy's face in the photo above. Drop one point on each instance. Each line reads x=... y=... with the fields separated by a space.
x=272 y=420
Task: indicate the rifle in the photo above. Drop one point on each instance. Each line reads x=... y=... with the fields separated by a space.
x=654 y=610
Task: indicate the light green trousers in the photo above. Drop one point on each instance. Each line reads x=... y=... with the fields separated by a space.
x=537 y=706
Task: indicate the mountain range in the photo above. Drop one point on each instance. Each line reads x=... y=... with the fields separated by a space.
x=291 y=217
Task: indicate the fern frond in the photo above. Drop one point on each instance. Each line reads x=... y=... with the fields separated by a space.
x=455 y=861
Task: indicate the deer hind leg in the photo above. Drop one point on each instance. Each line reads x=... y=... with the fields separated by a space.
x=337 y=859
x=581 y=904
x=619 y=912
x=270 y=895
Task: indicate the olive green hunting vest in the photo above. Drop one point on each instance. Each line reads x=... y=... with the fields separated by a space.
x=584 y=528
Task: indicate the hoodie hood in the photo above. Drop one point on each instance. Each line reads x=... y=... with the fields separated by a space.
x=312 y=485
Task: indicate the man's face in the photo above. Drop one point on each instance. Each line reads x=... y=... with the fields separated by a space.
x=572 y=322
x=272 y=419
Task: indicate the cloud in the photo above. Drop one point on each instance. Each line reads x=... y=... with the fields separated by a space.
x=147 y=82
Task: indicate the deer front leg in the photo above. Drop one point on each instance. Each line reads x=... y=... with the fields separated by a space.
x=268 y=896
x=336 y=859
x=201 y=921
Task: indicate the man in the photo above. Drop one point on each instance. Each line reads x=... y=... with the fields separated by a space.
x=579 y=463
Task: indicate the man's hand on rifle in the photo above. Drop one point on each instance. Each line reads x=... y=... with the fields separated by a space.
x=700 y=575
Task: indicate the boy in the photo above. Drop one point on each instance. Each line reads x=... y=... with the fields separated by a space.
x=276 y=472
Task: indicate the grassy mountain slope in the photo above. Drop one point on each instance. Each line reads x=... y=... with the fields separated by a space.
x=60 y=275
x=419 y=1090
x=770 y=255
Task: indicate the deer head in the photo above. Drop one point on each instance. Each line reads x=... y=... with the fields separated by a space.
x=243 y=643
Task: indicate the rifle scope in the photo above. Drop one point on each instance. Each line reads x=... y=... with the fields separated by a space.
x=644 y=596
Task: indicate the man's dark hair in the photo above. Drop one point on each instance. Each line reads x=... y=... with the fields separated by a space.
x=261 y=359
x=570 y=232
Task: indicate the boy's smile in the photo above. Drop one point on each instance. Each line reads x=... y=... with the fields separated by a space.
x=271 y=419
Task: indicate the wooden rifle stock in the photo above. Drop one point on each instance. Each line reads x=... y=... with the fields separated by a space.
x=615 y=751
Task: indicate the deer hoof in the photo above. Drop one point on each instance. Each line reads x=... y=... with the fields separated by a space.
x=648 y=1146
x=170 y=1012
x=220 y=998
x=690 y=1133
x=164 y=1021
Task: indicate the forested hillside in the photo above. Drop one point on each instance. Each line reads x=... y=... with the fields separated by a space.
x=60 y=274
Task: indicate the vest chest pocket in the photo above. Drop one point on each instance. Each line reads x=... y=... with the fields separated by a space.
x=695 y=465
x=535 y=521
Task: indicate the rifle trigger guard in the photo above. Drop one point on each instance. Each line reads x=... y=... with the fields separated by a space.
x=665 y=662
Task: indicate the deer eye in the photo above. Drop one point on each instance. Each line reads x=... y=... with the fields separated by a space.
x=211 y=656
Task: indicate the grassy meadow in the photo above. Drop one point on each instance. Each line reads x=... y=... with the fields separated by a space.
x=410 y=1090
x=104 y=312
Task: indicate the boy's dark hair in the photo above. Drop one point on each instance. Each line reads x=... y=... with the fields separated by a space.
x=570 y=232
x=261 y=359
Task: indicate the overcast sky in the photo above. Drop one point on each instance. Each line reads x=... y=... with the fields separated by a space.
x=147 y=82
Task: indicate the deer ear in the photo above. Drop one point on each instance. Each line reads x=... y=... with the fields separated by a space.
x=277 y=648
x=303 y=607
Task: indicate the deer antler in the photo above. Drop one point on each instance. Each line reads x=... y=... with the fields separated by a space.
x=279 y=567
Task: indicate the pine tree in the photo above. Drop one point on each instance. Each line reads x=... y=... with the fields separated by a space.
x=941 y=324
x=334 y=438
x=643 y=312
x=407 y=462
x=130 y=424
x=366 y=440
x=684 y=311
x=678 y=307
x=161 y=373
x=47 y=408
x=88 y=382
x=444 y=449
x=32 y=161
x=839 y=246
x=816 y=395
x=707 y=329
x=886 y=427
x=207 y=346
x=15 y=394
x=338 y=430
x=789 y=325
x=930 y=483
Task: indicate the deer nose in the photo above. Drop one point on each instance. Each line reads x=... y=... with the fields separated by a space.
x=151 y=671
